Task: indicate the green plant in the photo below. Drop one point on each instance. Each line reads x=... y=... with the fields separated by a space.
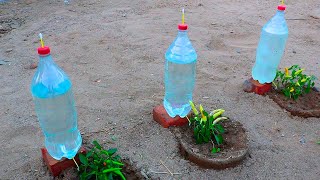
x=100 y=164
x=293 y=83
x=207 y=127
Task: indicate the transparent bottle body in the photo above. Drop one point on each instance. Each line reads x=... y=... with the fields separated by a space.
x=55 y=108
x=270 y=49
x=179 y=76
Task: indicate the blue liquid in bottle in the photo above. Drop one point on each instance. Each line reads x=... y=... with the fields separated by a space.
x=271 y=46
x=55 y=108
x=180 y=73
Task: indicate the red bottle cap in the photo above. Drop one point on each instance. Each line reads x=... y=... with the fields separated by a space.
x=282 y=7
x=43 y=50
x=183 y=27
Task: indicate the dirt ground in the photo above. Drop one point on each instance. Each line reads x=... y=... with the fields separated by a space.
x=114 y=53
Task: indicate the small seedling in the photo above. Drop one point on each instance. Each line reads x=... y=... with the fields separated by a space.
x=207 y=127
x=100 y=164
x=293 y=83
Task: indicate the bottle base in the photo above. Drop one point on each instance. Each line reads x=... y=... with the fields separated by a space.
x=59 y=151
x=180 y=110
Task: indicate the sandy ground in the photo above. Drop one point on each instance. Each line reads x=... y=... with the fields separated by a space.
x=114 y=53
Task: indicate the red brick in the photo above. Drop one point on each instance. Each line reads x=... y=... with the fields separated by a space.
x=252 y=85
x=161 y=116
x=55 y=166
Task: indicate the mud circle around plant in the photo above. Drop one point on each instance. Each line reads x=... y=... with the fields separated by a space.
x=305 y=106
x=233 y=150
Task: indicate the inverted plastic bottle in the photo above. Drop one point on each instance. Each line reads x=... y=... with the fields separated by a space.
x=271 y=46
x=55 y=107
x=180 y=73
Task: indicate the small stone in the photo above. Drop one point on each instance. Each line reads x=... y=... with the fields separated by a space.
x=302 y=140
x=247 y=86
x=282 y=135
x=8 y=50
x=248 y=164
x=195 y=150
x=33 y=65
x=205 y=97
x=124 y=15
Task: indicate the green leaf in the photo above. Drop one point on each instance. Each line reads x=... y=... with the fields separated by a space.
x=198 y=139
x=117 y=157
x=205 y=113
x=89 y=154
x=120 y=174
x=111 y=170
x=97 y=145
x=83 y=175
x=318 y=142
x=196 y=131
x=105 y=152
x=114 y=162
x=112 y=151
x=215 y=150
x=105 y=176
x=90 y=174
x=110 y=176
x=83 y=159
x=220 y=128
x=219 y=138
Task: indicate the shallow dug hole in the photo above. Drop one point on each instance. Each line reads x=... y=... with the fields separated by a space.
x=233 y=150
x=305 y=106
x=7 y=24
x=131 y=172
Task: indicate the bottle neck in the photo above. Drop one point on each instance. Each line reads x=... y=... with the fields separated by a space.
x=182 y=33
x=280 y=13
x=45 y=59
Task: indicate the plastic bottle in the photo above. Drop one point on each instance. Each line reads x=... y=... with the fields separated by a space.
x=180 y=73
x=272 y=43
x=55 y=107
